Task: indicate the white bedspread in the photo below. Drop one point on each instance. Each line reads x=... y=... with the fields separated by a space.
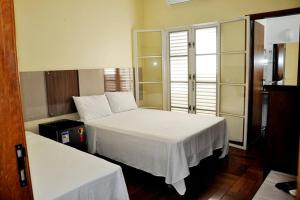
x=64 y=173
x=162 y=143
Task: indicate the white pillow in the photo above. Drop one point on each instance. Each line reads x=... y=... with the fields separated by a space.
x=92 y=107
x=121 y=101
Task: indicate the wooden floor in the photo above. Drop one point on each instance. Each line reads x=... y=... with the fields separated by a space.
x=237 y=177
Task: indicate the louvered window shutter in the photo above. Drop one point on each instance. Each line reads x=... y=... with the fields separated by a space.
x=178 y=42
x=118 y=79
x=206 y=70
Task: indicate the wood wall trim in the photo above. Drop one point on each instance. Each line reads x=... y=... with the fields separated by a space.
x=277 y=13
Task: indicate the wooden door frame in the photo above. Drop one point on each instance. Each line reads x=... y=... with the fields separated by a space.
x=253 y=17
x=12 y=186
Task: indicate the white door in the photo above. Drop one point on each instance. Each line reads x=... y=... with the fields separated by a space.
x=234 y=75
x=208 y=73
x=192 y=61
x=149 y=65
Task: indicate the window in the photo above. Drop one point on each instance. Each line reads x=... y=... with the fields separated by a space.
x=206 y=70
x=118 y=79
x=193 y=70
x=179 y=71
x=149 y=65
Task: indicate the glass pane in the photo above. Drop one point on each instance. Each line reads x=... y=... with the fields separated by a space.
x=149 y=43
x=150 y=70
x=233 y=68
x=233 y=36
x=179 y=68
x=232 y=99
x=206 y=68
x=179 y=95
x=178 y=43
x=151 y=95
x=206 y=40
x=235 y=127
x=206 y=98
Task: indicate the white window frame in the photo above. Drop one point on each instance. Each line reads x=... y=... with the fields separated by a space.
x=166 y=66
x=246 y=85
x=191 y=61
x=168 y=72
x=203 y=26
x=163 y=59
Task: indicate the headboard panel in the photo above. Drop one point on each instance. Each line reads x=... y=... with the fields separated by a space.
x=60 y=87
x=49 y=94
x=91 y=82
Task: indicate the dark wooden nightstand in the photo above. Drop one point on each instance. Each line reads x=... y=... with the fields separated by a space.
x=68 y=132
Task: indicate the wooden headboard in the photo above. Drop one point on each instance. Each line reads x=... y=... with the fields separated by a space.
x=60 y=87
x=49 y=94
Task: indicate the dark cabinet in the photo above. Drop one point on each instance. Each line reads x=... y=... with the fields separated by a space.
x=282 y=131
x=68 y=132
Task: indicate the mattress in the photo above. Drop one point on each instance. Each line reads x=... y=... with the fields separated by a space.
x=61 y=172
x=162 y=143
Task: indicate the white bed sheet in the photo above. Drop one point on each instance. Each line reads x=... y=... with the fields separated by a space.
x=63 y=173
x=162 y=143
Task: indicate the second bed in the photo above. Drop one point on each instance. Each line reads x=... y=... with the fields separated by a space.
x=162 y=143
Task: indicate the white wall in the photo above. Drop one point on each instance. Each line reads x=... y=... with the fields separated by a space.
x=282 y=30
x=278 y=30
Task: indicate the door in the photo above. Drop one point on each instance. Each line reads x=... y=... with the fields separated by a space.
x=179 y=70
x=233 y=78
x=257 y=81
x=149 y=68
x=209 y=72
x=11 y=120
x=193 y=69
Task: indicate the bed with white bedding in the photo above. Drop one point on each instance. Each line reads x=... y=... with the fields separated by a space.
x=63 y=173
x=162 y=143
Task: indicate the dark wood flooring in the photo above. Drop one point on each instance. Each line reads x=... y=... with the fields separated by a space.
x=236 y=177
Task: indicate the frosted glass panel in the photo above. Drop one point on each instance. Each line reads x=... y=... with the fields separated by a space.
x=150 y=69
x=206 y=68
x=151 y=95
x=233 y=68
x=235 y=127
x=233 y=36
x=206 y=40
x=149 y=43
x=232 y=99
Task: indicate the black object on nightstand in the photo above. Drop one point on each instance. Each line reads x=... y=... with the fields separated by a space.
x=68 y=132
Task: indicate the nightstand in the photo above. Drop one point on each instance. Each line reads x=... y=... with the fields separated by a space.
x=68 y=132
